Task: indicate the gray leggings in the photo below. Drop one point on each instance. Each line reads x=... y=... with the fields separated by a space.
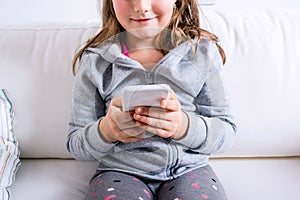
x=201 y=183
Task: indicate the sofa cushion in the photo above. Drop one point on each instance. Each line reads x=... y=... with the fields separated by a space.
x=9 y=152
x=259 y=178
x=36 y=67
x=52 y=179
x=262 y=48
x=243 y=179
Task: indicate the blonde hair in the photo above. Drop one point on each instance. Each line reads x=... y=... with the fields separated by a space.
x=184 y=22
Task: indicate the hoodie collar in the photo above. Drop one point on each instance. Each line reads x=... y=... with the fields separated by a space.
x=112 y=52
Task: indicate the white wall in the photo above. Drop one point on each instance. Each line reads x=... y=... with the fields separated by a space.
x=41 y=13
x=36 y=12
x=256 y=4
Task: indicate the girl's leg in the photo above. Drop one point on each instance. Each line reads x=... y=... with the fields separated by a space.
x=199 y=184
x=117 y=186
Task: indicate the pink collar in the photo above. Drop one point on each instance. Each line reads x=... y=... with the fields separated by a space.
x=124 y=49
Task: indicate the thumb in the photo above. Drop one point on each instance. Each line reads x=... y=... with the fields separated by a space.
x=171 y=103
x=117 y=102
x=172 y=95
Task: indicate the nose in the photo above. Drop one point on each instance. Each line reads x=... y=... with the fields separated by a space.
x=141 y=6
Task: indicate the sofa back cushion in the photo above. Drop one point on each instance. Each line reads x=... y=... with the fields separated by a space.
x=262 y=73
x=36 y=69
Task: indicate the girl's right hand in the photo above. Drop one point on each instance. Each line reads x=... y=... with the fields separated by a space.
x=119 y=126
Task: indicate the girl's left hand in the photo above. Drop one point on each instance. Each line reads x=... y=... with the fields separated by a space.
x=165 y=121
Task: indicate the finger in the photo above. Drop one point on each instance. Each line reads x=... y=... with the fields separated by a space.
x=134 y=132
x=154 y=122
x=172 y=95
x=172 y=105
x=119 y=116
x=117 y=101
x=153 y=112
x=157 y=131
x=127 y=125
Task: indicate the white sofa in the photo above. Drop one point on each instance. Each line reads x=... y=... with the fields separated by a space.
x=262 y=41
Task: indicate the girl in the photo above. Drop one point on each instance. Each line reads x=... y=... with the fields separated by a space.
x=152 y=152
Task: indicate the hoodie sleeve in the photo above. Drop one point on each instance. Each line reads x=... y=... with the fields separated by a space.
x=211 y=128
x=85 y=142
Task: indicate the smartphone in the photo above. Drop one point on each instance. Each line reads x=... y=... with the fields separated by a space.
x=143 y=95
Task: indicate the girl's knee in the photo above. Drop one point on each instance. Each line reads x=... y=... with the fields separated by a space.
x=115 y=185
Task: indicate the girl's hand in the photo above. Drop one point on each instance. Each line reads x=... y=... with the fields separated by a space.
x=165 y=121
x=119 y=126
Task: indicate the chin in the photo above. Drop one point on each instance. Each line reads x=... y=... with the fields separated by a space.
x=145 y=32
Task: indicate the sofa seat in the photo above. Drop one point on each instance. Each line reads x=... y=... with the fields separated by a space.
x=243 y=178
x=52 y=179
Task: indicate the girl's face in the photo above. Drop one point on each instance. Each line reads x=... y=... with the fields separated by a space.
x=143 y=19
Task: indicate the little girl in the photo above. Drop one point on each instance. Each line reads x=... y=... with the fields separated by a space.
x=151 y=152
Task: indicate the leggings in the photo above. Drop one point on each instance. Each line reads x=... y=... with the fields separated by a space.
x=198 y=184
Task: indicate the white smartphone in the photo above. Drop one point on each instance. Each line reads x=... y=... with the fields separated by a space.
x=143 y=95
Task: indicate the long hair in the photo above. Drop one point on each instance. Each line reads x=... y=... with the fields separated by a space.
x=185 y=21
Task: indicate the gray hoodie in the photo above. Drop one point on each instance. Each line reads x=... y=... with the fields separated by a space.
x=196 y=79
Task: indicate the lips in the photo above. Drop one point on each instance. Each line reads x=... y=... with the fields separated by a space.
x=143 y=20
